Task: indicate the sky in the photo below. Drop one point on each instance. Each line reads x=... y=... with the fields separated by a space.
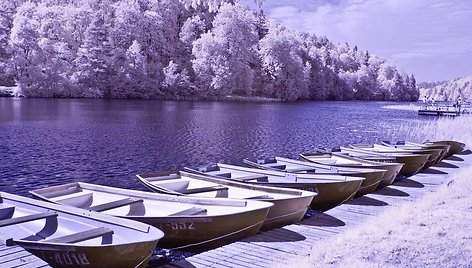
x=431 y=39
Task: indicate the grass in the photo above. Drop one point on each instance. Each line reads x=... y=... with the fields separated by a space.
x=434 y=231
x=444 y=128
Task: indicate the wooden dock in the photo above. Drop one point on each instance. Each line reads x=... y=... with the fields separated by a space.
x=444 y=109
x=285 y=243
x=277 y=245
x=16 y=256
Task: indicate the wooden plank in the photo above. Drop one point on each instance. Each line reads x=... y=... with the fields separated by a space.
x=23 y=219
x=4 y=250
x=205 y=189
x=247 y=250
x=81 y=236
x=259 y=178
x=246 y=254
x=116 y=204
x=29 y=261
x=229 y=259
x=14 y=257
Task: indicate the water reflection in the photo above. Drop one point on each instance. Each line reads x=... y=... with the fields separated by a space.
x=52 y=141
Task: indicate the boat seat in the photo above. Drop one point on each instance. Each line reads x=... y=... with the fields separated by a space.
x=28 y=218
x=220 y=173
x=6 y=211
x=190 y=212
x=176 y=185
x=205 y=189
x=326 y=161
x=116 y=204
x=300 y=169
x=276 y=165
x=259 y=178
x=82 y=236
x=78 y=199
x=265 y=197
x=162 y=178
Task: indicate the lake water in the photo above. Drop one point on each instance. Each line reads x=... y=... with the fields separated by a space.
x=53 y=141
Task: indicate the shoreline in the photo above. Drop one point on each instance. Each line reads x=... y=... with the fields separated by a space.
x=324 y=238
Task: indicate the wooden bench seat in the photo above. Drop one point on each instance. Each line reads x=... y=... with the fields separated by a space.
x=190 y=212
x=265 y=196
x=259 y=178
x=116 y=204
x=300 y=169
x=275 y=165
x=6 y=211
x=28 y=218
x=204 y=189
x=82 y=236
x=220 y=174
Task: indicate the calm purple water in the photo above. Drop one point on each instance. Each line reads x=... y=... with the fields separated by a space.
x=53 y=141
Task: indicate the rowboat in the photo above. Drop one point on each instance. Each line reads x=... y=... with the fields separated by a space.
x=339 y=160
x=373 y=177
x=71 y=237
x=413 y=163
x=456 y=147
x=333 y=190
x=415 y=146
x=433 y=154
x=290 y=205
x=191 y=223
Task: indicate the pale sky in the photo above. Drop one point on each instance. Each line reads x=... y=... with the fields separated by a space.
x=430 y=38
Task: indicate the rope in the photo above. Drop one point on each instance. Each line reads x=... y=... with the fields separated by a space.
x=216 y=238
x=139 y=264
x=226 y=235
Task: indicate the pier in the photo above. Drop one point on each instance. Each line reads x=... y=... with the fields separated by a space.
x=444 y=109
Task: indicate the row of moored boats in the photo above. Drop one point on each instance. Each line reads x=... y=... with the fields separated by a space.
x=203 y=207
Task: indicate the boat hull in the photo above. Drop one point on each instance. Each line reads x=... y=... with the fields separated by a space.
x=186 y=233
x=287 y=210
x=412 y=163
x=330 y=194
x=391 y=168
x=103 y=256
x=455 y=146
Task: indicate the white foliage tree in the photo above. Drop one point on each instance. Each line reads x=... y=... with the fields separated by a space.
x=94 y=71
x=286 y=72
x=27 y=54
x=223 y=56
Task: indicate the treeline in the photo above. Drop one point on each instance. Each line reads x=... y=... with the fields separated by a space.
x=448 y=90
x=180 y=49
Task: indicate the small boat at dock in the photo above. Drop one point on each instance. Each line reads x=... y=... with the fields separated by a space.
x=456 y=146
x=290 y=205
x=332 y=190
x=187 y=222
x=70 y=237
x=373 y=177
x=413 y=163
x=343 y=160
x=433 y=154
x=412 y=146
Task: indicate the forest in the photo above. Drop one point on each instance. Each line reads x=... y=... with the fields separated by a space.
x=186 y=49
x=448 y=90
